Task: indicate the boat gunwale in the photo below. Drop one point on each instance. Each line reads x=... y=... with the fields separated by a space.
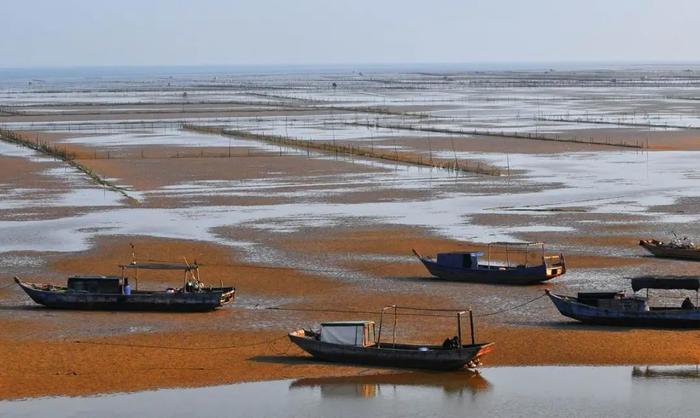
x=390 y=346
x=53 y=289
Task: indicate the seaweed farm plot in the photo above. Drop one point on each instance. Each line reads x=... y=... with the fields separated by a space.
x=53 y=185
x=606 y=182
x=419 y=197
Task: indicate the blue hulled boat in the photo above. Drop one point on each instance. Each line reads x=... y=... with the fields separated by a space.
x=617 y=309
x=467 y=266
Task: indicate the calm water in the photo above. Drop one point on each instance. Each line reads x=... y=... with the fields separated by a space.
x=496 y=392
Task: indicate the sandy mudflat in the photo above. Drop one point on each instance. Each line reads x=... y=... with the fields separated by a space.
x=37 y=367
x=311 y=233
x=63 y=352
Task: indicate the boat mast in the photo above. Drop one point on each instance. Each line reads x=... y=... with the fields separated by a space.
x=459 y=328
x=527 y=247
x=133 y=261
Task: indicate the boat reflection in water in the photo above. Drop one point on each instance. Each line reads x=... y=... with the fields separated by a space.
x=370 y=386
x=667 y=372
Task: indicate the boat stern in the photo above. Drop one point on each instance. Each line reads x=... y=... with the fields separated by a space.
x=555 y=266
x=485 y=349
x=228 y=296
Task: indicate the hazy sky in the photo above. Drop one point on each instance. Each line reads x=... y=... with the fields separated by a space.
x=230 y=32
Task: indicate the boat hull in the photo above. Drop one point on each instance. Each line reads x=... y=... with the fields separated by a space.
x=662 y=251
x=403 y=356
x=663 y=318
x=513 y=276
x=145 y=301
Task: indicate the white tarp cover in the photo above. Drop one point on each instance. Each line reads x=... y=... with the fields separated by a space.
x=343 y=334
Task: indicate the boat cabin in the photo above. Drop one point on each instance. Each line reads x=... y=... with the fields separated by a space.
x=554 y=264
x=355 y=333
x=468 y=260
x=617 y=301
x=95 y=284
x=613 y=300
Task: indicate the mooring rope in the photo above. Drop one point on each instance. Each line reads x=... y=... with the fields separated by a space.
x=311 y=270
x=170 y=347
x=511 y=308
x=350 y=311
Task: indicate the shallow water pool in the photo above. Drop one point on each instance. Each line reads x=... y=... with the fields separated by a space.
x=552 y=391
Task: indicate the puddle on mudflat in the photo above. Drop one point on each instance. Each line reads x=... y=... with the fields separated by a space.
x=551 y=391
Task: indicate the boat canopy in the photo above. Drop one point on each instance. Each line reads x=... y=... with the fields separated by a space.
x=160 y=266
x=651 y=282
x=516 y=243
x=357 y=333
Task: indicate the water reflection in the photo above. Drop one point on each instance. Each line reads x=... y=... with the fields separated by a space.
x=370 y=386
x=549 y=392
x=667 y=372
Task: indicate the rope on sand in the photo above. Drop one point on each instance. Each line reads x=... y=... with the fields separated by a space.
x=512 y=308
x=272 y=341
x=304 y=269
x=166 y=347
x=349 y=311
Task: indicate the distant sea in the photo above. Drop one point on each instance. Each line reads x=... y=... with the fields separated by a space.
x=141 y=72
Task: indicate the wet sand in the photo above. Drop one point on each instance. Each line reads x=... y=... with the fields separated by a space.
x=56 y=353
x=37 y=367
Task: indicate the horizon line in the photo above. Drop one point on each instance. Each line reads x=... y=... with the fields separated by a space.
x=350 y=64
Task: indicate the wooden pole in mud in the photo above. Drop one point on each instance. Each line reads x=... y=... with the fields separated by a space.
x=336 y=149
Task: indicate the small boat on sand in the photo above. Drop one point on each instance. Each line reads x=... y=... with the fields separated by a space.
x=615 y=308
x=467 y=266
x=682 y=249
x=355 y=342
x=114 y=292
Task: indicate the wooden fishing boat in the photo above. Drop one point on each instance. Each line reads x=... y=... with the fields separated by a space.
x=679 y=249
x=114 y=292
x=467 y=266
x=614 y=308
x=354 y=342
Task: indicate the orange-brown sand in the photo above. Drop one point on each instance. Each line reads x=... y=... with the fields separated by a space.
x=55 y=355
x=158 y=360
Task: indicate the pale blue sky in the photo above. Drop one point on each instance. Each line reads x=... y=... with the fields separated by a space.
x=202 y=32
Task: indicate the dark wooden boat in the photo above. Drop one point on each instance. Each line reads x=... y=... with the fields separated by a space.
x=614 y=308
x=354 y=342
x=113 y=293
x=466 y=266
x=678 y=249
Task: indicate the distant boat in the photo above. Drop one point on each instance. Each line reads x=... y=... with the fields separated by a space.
x=679 y=249
x=614 y=308
x=114 y=293
x=354 y=342
x=467 y=266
